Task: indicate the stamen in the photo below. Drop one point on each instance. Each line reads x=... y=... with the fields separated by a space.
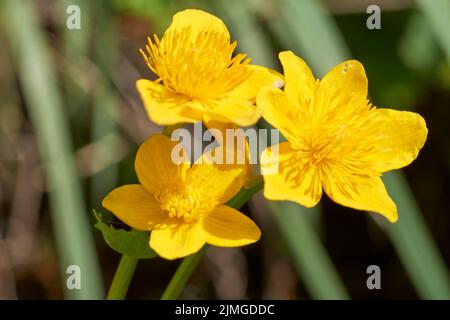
x=186 y=202
x=340 y=140
x=196 y=65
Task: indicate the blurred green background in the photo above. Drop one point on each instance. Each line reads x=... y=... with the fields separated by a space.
x=71 y=122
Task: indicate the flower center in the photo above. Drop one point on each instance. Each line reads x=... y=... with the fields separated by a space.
x=199 y=66
x=344 y=142
x=185 y=202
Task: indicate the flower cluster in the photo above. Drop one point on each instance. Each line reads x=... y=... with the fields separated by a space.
x=337 y=142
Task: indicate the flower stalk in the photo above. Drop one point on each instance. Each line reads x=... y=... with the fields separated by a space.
x=187 y=267
x=182 y=275
x=122 y=278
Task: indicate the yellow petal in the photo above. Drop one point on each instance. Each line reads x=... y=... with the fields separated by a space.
x=154 y=164
x=295 y=181
x=227 y=227
x=280 y=112
x=165 y=107
x=220 y=181
x=135 y=206
x=359 y=192
x=199 y=21
x=342 y=91
x=260 y=77
x=215 y=127
x=177 y=240
x=399 y=137
x=300 y=83
x=233 y=110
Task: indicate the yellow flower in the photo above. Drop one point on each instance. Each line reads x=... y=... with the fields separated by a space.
x=198 y=78
x=182 y=204
x=337 y=141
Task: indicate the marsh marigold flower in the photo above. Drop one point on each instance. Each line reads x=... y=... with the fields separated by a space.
x=336 y=141
x=182 y=205
x=199 y=79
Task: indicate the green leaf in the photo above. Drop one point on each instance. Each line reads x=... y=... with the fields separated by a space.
x=131 y=243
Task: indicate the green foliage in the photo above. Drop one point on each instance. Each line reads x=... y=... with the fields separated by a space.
x=130 y=243
x=438 y=15
x=414 y=243
x=38 y=79
x=309 y=256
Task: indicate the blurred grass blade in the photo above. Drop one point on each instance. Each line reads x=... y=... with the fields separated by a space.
x=315 y=34
x=75 y=52
x=71 y=226
x=244 y=27
x=324 y=47
x=311 y=260
x=105 y=106
x=437 y=13
x=414 y=243
x=76 y=42
x=418 y=48
x=310 y=257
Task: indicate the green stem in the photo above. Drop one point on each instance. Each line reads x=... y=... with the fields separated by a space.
x=181 y=276
x=122 y=278
x=187 y=267
x=257 y=184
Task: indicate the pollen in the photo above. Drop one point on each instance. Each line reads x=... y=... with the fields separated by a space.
x=186 y=202
x=198 y=65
